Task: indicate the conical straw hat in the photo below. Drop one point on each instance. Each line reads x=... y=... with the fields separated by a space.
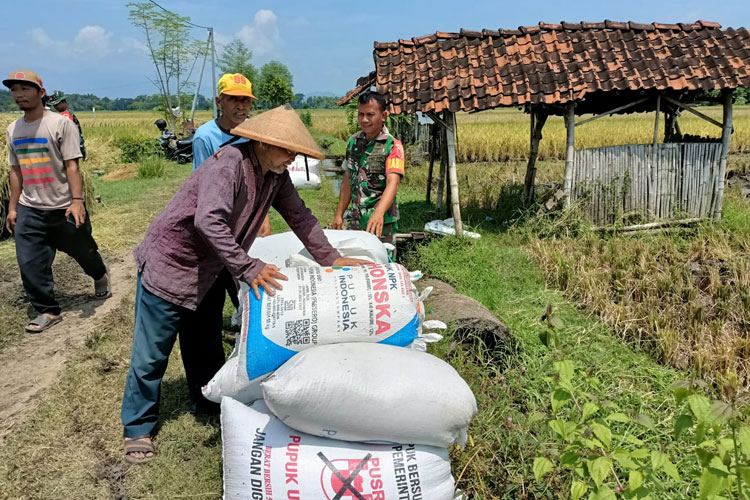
x=280 y=127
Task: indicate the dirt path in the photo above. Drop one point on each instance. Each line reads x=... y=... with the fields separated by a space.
x=28 y=368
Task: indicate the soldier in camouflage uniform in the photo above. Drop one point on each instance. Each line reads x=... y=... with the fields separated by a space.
x=60 y=103
x=373 y=168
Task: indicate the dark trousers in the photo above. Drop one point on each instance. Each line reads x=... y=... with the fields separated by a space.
x=39 y=235
x=157 y=324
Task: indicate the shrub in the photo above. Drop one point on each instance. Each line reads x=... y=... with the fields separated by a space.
x=134 y=149
x=152 y=166
x=306 y=118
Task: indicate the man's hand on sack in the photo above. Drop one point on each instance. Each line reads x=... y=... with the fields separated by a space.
x=267 y=277
x=346 y=261
x=338 y=223
x=375 y=224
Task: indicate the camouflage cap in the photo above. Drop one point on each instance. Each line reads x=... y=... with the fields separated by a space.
x=56 y=98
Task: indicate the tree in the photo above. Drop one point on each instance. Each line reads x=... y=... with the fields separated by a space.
x=275 y=68
x=170 y=47
x=276 y=91
x=269 y=72
x=236 y=59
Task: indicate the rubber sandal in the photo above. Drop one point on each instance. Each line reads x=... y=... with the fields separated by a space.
x=103 y=287
x=42 y=322
x=141 y=444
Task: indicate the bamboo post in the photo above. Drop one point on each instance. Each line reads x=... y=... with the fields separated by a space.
x=654 y=194
x=570 y=151
x=537 y=122
x=433 y=147
x=443 y=169
x=726 y=135
x=450 y=118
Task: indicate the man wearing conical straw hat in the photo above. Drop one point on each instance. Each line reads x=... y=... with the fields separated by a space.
x=210 y=224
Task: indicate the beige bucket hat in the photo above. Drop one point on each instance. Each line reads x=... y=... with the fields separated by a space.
x=280 y=127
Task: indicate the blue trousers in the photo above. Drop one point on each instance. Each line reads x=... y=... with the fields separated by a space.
x=39 y=235
x=157 y=325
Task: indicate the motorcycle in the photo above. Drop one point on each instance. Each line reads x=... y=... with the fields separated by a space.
x=182 y=151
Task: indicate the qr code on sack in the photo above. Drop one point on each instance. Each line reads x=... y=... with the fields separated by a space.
x=297 y=332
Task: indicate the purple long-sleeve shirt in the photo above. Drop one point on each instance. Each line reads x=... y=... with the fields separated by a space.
x=197 y=233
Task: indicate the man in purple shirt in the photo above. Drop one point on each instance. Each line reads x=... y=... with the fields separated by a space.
x=209 y=225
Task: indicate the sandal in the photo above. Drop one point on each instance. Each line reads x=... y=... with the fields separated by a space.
x=103 y=287
x=140 y=444
x=42 y=322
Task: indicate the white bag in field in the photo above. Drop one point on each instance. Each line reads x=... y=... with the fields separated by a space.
x=277 y=248
x=372 y=393
x=318 y=305
x=264 y=460
x=305 y=178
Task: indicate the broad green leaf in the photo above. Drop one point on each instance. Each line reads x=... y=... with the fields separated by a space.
x=657 y=459
x=588 y=410
x=704 y=456
x=577 y=490
x=745 y=473
x=635 y=480
x=563 y=428
x=617 y=417
x=559 y=398
x=682 y=423
x=717 y=464
x=711 y=483
x=645 y=421
x=680 y=394
x=599 y=470
x=743 y=436
x=605 y=493
x=541 y=467
x=671 y=470
x=544 y=338
x=566 y=369
x=726 y=447
x=700 y=406
x=623 y=458
x=570 y=459
x=556 y=322
x=639 y=453
x=719 y=413
x=700 y=432
x=603 y=433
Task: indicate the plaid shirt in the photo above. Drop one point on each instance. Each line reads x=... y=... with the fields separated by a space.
x=198 y=232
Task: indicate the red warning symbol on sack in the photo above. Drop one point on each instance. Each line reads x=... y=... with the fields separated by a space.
x=351 y=479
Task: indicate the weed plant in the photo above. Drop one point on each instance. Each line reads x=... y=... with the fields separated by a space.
x=152 y=166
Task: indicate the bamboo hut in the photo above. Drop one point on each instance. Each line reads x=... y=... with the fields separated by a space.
x=574 y=69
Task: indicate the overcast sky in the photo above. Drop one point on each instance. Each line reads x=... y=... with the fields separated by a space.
x=88 y=46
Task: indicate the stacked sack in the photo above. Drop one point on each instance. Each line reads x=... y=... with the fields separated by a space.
x=347 y=411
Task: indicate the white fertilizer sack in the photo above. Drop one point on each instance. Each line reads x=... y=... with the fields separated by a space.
x=318 y=305
x=277 y=248
x=372 y=393
x=305 y=178
x=265 y=460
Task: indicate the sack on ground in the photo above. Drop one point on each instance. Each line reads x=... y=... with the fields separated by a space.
x=373 y=393
x=374 y=303
x=277 y=248
x=305 y=177
x=264 y=459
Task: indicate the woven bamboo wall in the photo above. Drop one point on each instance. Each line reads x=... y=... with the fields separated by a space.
x=615 y=182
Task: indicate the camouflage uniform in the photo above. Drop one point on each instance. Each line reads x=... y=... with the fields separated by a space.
x=368 y=162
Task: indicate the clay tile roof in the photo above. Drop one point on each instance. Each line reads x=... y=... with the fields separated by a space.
x=551 y=64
